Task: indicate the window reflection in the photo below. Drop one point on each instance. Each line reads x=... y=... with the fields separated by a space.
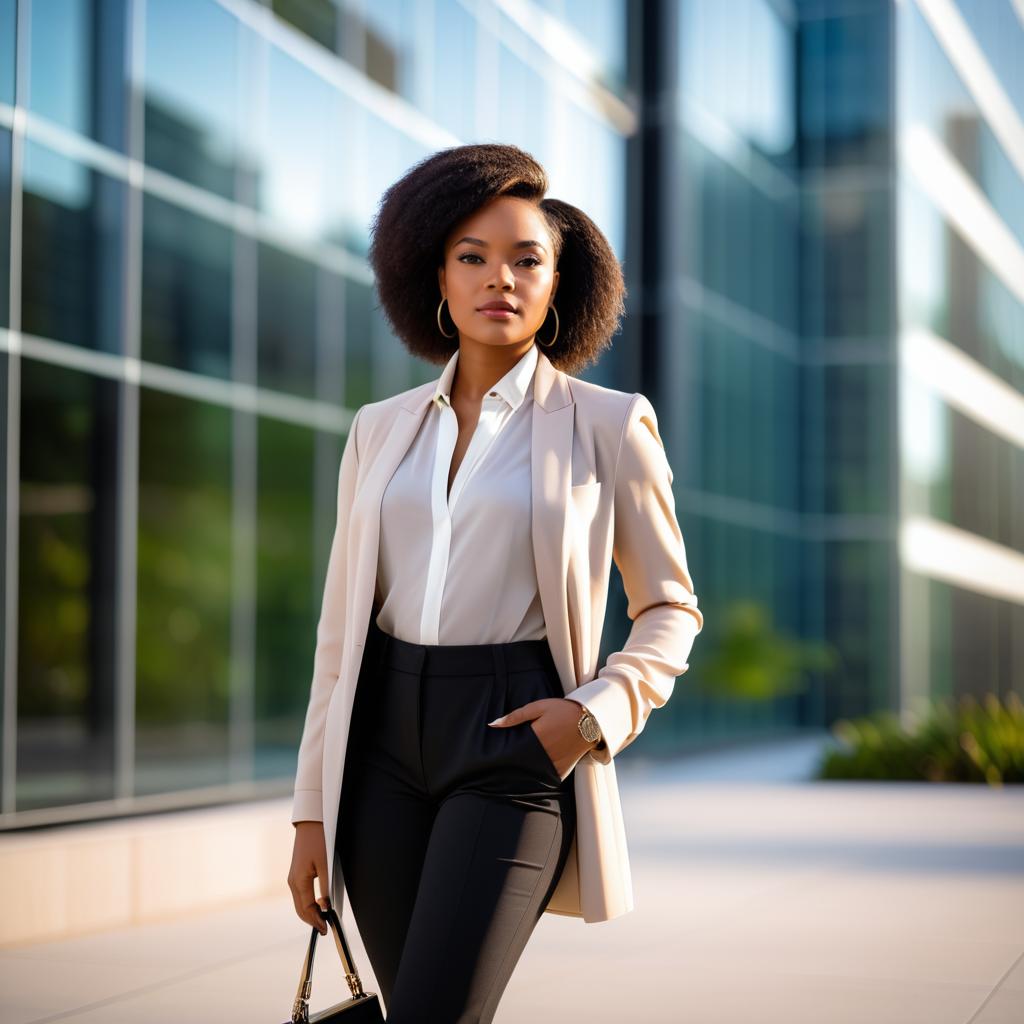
x=858 y=617
x=291 y=551
x=318 y=19
x=740 y=239
x=603 y=196
x=67 y=554
x=287 y=322
x=455 y=81
x=193 y=105
x=301 y=180
x=77 y=56
x=5 y=226
x=932 y=93
x=948 y=288
x=602 y=26
x=999 y=31
x=523 y=118
x=359 y=332
x=736 y=61
x=380 y=154
x=846 y=89
x=848 y=271
x=391 y=50
x=186 y=290
x=72 y=251
x=183 y=637
x=855 y=407
x=8 y=37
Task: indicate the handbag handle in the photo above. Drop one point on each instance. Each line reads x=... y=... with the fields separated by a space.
x=300 y=1008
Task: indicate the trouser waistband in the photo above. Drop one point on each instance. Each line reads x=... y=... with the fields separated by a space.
x=460 y=659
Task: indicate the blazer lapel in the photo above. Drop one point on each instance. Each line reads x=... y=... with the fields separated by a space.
x=551 y=474
x=551 y=465
x=364 y=539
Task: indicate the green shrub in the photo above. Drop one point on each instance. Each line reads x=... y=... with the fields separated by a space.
x=970 y=741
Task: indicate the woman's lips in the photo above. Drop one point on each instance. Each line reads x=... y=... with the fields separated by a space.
x=497 y=314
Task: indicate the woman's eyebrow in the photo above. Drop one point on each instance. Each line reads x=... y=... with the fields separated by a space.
x=525 y=244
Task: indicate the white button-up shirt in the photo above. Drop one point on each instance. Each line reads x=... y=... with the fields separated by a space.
x=458 y=568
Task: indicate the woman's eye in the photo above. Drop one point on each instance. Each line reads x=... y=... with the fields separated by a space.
x=535 y=263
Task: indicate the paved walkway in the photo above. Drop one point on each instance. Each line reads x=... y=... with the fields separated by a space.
x=761 y=897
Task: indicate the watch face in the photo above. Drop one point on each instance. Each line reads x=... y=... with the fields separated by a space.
x=589 y=727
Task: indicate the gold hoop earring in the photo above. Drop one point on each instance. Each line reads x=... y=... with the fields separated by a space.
x=439 y=327
x=548 y=344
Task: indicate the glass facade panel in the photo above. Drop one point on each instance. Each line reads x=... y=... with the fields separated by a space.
x=302 y=176
x=287 y=322
x=5 y=227
x=965 y=641
x=858 y=422
x=958 y=472
x=846 y=89
x=292 y=547
x=8 y=38
x=67 y=546
x=194 y=105
x=76 y=66
x=380 y=152
x=848 y=264
x=391 y=51
x=72 y=251
x=318 y=19
x=183 y=656
x=998 y=29
x=932 y=94
x=601 y=25
x=360 y=335
x=523 y=119
x=736 y=63
x=743 y=241
x=599 y=196
x=859 y=620
x=186 y=290
x=455 y=90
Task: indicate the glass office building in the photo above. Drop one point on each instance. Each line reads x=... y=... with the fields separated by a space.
x=725 y=363
x=186 y=187
x=960 y=274
x=833 y=332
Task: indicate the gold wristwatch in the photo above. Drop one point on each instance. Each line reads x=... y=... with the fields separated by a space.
x=589 y=729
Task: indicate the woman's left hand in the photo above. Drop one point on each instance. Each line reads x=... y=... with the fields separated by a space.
x=556 y=727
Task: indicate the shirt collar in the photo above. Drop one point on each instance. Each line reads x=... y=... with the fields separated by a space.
x=513 y=387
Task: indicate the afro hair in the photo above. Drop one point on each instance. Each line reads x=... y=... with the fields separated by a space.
x=416 y=215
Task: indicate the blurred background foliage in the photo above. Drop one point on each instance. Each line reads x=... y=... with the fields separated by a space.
x=968 y=740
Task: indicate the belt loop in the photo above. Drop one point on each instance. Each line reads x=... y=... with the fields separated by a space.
x=501 y=673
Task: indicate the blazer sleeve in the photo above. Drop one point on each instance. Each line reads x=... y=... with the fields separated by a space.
x=649 y=551
x=307 y=802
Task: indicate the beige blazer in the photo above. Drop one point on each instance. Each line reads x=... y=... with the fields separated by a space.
x=601 y=490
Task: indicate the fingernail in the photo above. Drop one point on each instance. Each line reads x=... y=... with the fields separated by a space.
x=497 y=720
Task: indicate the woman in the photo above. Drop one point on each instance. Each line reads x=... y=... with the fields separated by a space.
x=457 y=755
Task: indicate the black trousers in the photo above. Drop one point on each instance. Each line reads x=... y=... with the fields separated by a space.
x=452 y=834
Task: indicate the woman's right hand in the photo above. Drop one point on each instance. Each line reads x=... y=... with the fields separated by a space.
x=309 y=861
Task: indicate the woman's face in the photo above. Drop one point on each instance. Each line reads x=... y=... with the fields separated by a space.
x=503 y=252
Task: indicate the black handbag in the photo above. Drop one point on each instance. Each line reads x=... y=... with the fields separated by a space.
x=362 y=1008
